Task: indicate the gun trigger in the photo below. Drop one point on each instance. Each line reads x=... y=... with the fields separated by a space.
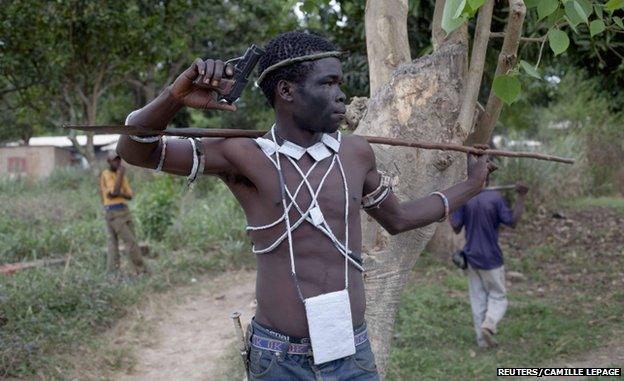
x=233 y=60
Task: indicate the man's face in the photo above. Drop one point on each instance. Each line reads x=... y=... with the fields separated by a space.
x=114 y=163
x=319 y=103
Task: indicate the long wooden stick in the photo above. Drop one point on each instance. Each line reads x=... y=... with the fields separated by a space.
x=230 y=133
x=501 y=187
x=10 y=268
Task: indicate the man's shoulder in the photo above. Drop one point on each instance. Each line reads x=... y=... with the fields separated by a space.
x=242 y=151
x=494 y=196
x=358 y=145
x=239 y=145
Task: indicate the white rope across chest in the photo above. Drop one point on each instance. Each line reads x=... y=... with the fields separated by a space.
x=312 y=214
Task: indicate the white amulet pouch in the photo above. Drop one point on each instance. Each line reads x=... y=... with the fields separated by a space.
x=330 y=326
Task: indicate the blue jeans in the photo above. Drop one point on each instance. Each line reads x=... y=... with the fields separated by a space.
x=270 y=365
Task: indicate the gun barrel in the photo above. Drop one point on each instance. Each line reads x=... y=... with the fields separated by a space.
x=242 y=344
x=242 y=69
x=239 y=330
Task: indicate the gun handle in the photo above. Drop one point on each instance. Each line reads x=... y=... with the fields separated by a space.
x=224 y=88
x=225 y=85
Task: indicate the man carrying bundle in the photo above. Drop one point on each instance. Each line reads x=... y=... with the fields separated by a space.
x=482 y=216
x=301 y=187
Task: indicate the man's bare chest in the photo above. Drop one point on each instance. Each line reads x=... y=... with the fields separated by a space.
x=299 y=183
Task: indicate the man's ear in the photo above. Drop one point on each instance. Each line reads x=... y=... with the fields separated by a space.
x=285 y=90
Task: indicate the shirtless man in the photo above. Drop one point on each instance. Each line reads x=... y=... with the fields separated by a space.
x=265 y=175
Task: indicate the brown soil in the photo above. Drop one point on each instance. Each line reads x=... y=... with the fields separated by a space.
x=588 y=243
x=184 y=335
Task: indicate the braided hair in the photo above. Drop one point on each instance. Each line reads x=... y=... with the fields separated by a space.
x=285 y=46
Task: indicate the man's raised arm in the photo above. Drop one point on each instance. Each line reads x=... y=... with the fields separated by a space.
x=196 y=87
x=397 y=217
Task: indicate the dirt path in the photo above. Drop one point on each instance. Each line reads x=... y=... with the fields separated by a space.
x=609 y=356
x=188 y=340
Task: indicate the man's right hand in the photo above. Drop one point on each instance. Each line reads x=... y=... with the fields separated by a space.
x=210 y=82
x=522 y=188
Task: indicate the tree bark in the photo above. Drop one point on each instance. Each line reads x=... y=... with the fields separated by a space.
x=506 y=61
x=445 y=242
x=386 y=39
x=420 y=101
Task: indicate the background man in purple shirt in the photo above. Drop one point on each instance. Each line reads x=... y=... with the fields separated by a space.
x=482 y=216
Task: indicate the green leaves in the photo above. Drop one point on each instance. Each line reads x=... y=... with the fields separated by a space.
x=507 y=87
x=613 y=5
x=596 y=27
x=531 y=3
x=308 y=6
x=476 y=4
x=576 y=13
x=618 y=22
x=546 y=7
x=451 y=16
x=457 y=12
x=530 y=69
x=586 y=6
x=558 y=41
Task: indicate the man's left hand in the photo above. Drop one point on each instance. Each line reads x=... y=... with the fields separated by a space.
x=479 y=168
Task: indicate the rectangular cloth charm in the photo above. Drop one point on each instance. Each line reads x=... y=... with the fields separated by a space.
x=331 y=326
x=317 y=216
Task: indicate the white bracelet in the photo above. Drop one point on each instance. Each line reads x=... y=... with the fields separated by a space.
x=193 y=175
x=145 y=139
x=446 y=205
x=163 y=151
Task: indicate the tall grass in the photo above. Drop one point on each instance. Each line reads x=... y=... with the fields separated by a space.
x=47 y=311
x=588 y=130
x=548 y=181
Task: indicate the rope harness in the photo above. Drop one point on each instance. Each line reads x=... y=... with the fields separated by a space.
x=312 y=214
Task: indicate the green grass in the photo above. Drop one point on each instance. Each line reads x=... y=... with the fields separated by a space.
x=616 y=203
x=577 y=310
x=47 y=313
x=435 y=340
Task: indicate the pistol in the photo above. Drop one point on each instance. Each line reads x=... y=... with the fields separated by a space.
x=243 y=66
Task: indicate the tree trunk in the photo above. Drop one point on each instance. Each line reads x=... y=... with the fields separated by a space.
x=421 y=102
x=386 y=39
x=445 y=242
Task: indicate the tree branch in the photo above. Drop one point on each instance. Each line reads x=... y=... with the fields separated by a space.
x=506 y=60
x=437 y=33
x=465 y=120
x=522 y=39
x=76 y=145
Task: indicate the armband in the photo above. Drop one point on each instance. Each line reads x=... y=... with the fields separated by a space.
x=198 y=161
x=379 y=195
x=163 y=152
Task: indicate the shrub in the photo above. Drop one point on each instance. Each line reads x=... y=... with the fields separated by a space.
x=156 y=206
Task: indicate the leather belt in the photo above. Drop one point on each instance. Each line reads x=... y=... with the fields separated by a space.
x=292 y=348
